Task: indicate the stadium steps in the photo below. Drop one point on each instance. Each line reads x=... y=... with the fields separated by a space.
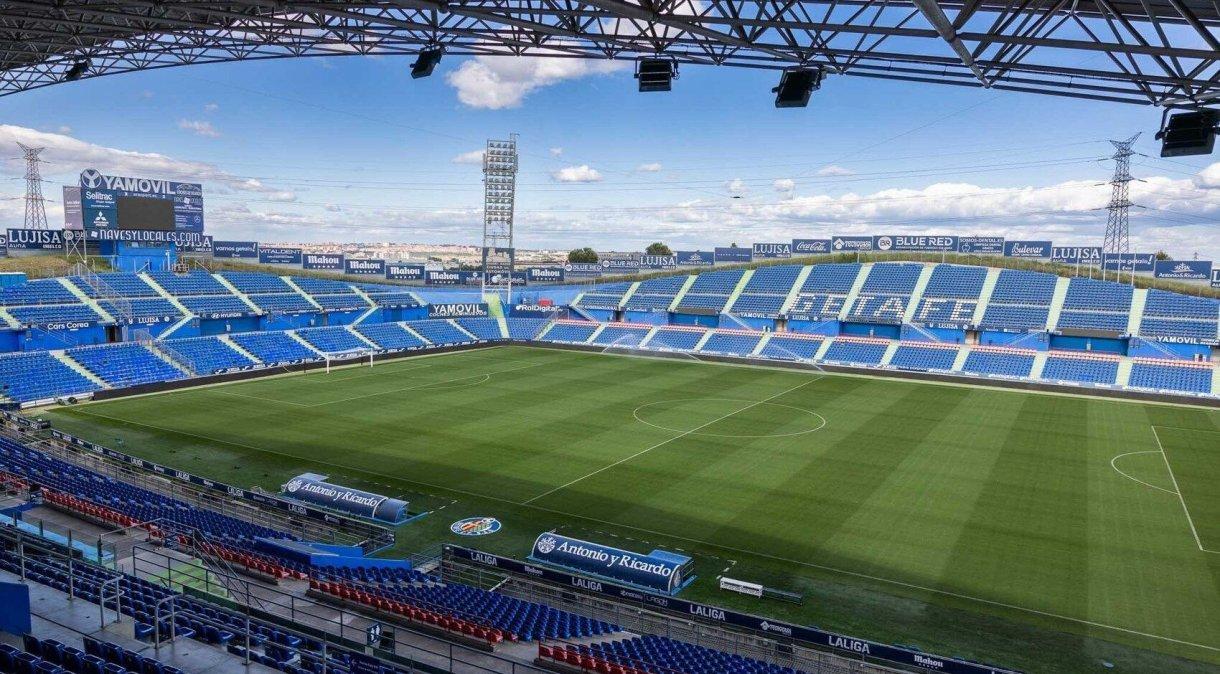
x=372 y=306
x=1123 y=377
x=495 y=308
x=703 y=340
x=240 y=295
x=227 y=340
x=921 y=284
x=892 y=348
x=762 y=343
x=580 y=312
x=460 y=329
x=596 y=332
x=741 y=285
x=993 y=275
x=364 y=339
x=187 y=314
x=1216 y=382
x=305 y=343
x=1057 y=299
x=795 y=291
x=960 y=362
x=690 y=281
x=93 y=304
x=302 y=293
x=79 y=369
x=173 y=358
x=1136 y=316
x=852 y=294
x=1035 y=372
x=630 y=291
x=8 y=318
x=407 y=326
x=168 y=332
x=821 y=352
x=643 y=342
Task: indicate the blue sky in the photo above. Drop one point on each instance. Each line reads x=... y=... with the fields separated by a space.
x=353 y=149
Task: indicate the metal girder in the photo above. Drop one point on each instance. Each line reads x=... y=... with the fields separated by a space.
x=1160 y=52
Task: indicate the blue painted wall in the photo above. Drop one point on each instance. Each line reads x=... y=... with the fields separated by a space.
x=1024 y=340
x=1152 y=349
x=650 y=317
x=1101 y=344
x=223 y=326
x=870 y=330
x=696 y=319
x=46 y=340
x=291 y=321
x=814 y=327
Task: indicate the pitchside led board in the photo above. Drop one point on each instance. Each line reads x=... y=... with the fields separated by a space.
x=148 y=204
x=313 y=488
x=659 y=571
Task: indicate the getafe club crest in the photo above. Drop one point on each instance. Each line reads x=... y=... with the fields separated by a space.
x=475 y=526
x=293 y=485
x=546 y=545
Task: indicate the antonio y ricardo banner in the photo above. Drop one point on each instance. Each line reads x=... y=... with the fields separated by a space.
x=694 y=258
x=1183 y=270
x=322 y=261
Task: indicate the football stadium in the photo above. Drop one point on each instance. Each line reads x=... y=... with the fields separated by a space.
x=972 y=444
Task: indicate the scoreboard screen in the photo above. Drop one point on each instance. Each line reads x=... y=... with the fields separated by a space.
x=145 y=213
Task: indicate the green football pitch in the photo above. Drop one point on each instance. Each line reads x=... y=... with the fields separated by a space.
x=1040 y=531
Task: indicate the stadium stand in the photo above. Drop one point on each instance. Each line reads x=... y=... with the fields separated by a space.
x=486 y=329
x=390 y=336
x=333 y=339
x=674 y=338
x=1170 y=315
x=792 y=347
x=951 y=296
x=655 y=294
x=393 y=299
x=41 y=291
x=216 y=306
x=1021 y=300
x=253 y=282
x=341 y=302
x=194 y=283
x=208 y=355
x=142 y=308
x=710 y=291
x=577 y=332
x=622 y=334
x=99 y=657
x=824 y=291
x=122 y=284
x=125 y=364
x=1080 y=368
x=27 y=377
x=856 y=351
x=1093 y=305
x=604 y=297
x=731 y=343
x=440 y=332
x=886 y=292
x=999 y=362
x=525 y=328
x=273 y=348
x=317 y=286
x=766 y=291
x=1168 y=375
x=924 y=357
x=282 y=302
x=651 y=653
x=46 y=314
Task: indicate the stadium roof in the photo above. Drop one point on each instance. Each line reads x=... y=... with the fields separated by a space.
x=1162 y=52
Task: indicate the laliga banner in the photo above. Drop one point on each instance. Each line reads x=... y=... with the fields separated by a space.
x=268 y=255
x=312 y=488
x=364 y=267
x=1029 y=249
x=235 y=249
x=657 y=570
x=544 y=274
x=322 y=261
x=457 y=310
x=715 y=614
x=1183 y=270
x=1090 y=255
x=404 y=272
x=1139 y=262
x=921 y=244
x=694 y=258
x=851 y=244
x=981 y=245
x=810 y=246
x=732 y=254
x=771 y=250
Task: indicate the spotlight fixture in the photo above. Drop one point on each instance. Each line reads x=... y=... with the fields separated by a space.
x=795 y=86
x=426 y=63
x=77 y=70
x=656 y=74
x=1189 y=133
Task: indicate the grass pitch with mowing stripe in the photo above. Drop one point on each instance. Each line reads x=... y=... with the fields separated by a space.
x=984 y=523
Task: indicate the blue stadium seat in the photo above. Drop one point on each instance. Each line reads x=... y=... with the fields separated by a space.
x=1172 y=376
x=341 y=302
x=39 y=291
x=793 y=347
x=254 y=282
x=525 y=329
x=674 y=338
x=570 y=331
x=711 y=291
x=333 y=339
x=607 y=296
x=486 y=329
x=1080 y=368
x=273 y=348
x=48 y=314
x=125 y=364
x=440 y=332
x=390 y=336
x=731 y=343
x=207 y=355
x=924 y=357
x=855 y=352
x=622 y=334
x=217 y=306
x=122 y=284
x=288 y=303
x=999 y=362
x=824 y=291
x=193 y=283
x=1020 y=300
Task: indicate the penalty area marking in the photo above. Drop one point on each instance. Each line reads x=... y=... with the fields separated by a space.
x=1131 y=477
x=821 y=419
x=1189 y=520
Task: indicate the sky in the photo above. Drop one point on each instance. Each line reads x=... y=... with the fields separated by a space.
x=351 y=149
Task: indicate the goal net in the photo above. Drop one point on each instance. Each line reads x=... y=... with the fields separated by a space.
x=356 y=357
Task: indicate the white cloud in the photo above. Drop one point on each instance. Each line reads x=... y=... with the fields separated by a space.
x=556 y=151
x=577 y=174
x=784 y=185
x=497 y=82
x=1209 y=177
x=835 y=170
x=648 y=168
x=211 y=107
x=199 y=128
x=472 y=157
x=64 y=130
x=736 y=187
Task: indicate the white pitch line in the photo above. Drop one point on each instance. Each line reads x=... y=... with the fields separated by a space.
x=1130 y=477
x=666 y=442
x=419 y=386
x=1189 y=519
x=254 y=397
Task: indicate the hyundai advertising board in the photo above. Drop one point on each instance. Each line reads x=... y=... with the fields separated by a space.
x=119 y=202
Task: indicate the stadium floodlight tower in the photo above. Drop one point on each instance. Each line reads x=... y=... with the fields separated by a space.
x=499 y=192
x=1118 y=231
x=35 y=204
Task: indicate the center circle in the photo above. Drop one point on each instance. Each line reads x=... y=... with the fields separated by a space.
x=663 y=414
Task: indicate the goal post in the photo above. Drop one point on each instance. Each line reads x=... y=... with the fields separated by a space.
x=338 y=357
